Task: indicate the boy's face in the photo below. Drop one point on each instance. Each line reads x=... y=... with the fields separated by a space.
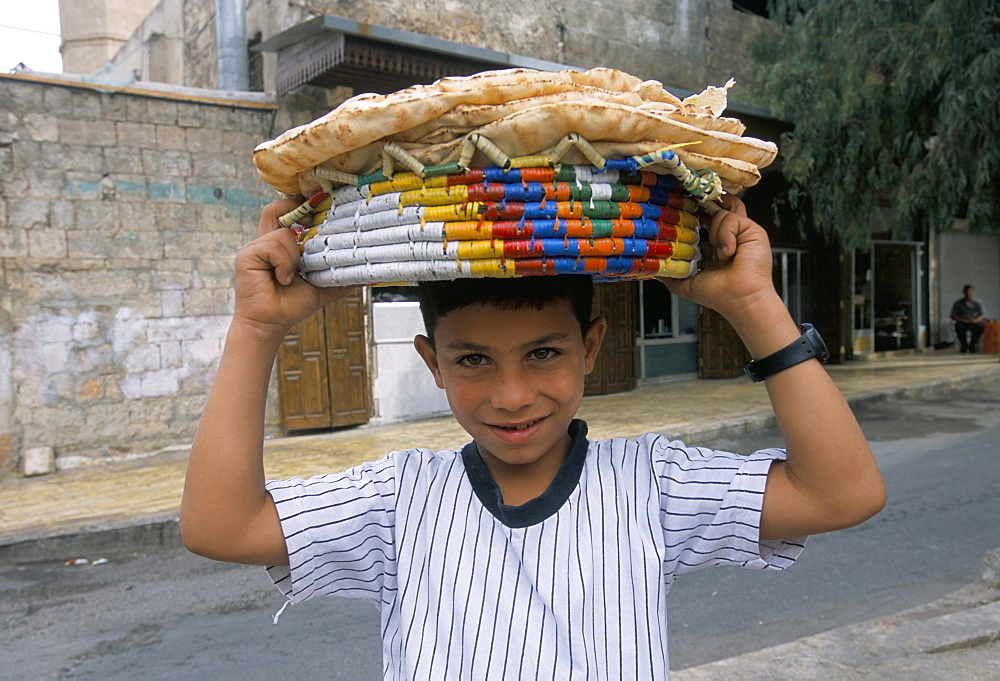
x=514 y=378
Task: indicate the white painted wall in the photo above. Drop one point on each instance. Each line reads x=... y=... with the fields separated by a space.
x=403 y=388
x=968 y=259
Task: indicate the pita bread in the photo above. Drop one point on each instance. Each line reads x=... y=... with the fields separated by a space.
x=523 y=112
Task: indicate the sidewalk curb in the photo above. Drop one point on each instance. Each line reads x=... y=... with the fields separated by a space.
x=763 y=420
x=123 y=539
x=133 y=536
x=895 y=646
x=925 y=389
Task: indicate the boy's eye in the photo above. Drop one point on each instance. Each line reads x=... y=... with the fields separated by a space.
x=543 y=353
x=472 y=360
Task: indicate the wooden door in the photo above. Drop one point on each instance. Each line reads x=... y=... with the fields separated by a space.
x=721 y=353
x=348 y=358
x=303 y=383
x=323 y=369
x=615 y=368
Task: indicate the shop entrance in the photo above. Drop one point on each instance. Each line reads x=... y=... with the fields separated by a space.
x=887 y=297
x=791 y=281
x=614 y=370
x=323 y=368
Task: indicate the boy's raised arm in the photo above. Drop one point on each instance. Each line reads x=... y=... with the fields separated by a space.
x=830 y=479
x=226 y=513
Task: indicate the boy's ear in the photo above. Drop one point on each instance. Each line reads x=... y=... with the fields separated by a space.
x=427 y=353
x=592 y=342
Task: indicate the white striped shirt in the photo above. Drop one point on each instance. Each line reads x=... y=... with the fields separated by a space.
x=570 y=585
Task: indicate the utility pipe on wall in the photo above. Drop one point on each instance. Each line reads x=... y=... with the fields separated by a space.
x=231 y=38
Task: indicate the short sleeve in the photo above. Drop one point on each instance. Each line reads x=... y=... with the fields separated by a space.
x=710 y=505
x=338 y=532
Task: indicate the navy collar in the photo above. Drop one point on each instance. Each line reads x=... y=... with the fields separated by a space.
x=541 y=507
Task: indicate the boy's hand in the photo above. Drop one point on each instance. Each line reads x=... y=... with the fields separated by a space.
x=270 y=295
x=741 y=275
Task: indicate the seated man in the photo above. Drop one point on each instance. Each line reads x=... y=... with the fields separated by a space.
x=969 y=319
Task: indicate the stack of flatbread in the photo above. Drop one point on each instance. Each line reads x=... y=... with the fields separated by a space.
x=524 y=112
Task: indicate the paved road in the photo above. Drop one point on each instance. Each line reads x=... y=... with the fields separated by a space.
x=172 y=615
x=943 y=480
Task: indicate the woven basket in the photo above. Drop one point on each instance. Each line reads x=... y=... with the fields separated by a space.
x=615 y=222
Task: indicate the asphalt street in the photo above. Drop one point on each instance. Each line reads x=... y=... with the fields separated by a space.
x=171 y=615
x=943 y=480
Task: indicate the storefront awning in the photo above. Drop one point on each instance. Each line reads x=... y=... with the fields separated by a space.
x=329 y=51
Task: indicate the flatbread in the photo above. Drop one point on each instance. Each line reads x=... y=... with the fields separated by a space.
x=523 y=112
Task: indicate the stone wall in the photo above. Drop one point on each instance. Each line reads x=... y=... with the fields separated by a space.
x=94 y=30
x=156 y=49
x=120 y=215
x=686 y=44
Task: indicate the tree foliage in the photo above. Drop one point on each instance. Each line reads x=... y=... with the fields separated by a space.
x=895 y=103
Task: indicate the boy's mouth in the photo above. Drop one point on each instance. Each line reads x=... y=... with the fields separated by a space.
x=520 y=426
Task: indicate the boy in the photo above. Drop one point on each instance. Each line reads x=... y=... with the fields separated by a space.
x=532 y=551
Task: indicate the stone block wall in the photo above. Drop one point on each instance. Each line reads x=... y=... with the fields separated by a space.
x=686 y=44
x=93 y=30
x=120 y=216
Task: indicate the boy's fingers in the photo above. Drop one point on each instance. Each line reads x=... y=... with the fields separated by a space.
x=288 y=259
x=734 y=205
x=722 y=232
x=275 y=250
x=270 y=213
x=284 y=270
x=279 y=251
x=679 y=287
x=731 y=206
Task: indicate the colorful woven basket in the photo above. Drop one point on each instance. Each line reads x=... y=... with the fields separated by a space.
x=529 y=216
x=511 y=173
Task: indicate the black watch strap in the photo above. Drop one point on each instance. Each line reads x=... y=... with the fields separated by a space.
x=810 y=345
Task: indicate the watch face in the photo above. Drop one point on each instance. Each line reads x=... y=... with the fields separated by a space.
x=816 y=340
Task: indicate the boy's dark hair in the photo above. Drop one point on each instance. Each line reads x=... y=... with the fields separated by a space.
x=965 y=289
x=438 y=298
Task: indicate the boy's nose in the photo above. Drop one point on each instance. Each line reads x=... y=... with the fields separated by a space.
x=513 y=390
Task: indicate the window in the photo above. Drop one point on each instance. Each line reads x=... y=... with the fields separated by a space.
x=255 y=67
x=664 y=316
x=791 y=281
x=758 y=7
x=394 y=294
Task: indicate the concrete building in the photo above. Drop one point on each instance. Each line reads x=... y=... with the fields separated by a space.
x=120 y=212
x=122 y=206
x=94 y=31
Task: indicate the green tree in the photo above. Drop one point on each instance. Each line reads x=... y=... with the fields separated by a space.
x=895 y=103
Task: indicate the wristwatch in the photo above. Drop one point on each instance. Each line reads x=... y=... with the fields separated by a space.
x=808 y=346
